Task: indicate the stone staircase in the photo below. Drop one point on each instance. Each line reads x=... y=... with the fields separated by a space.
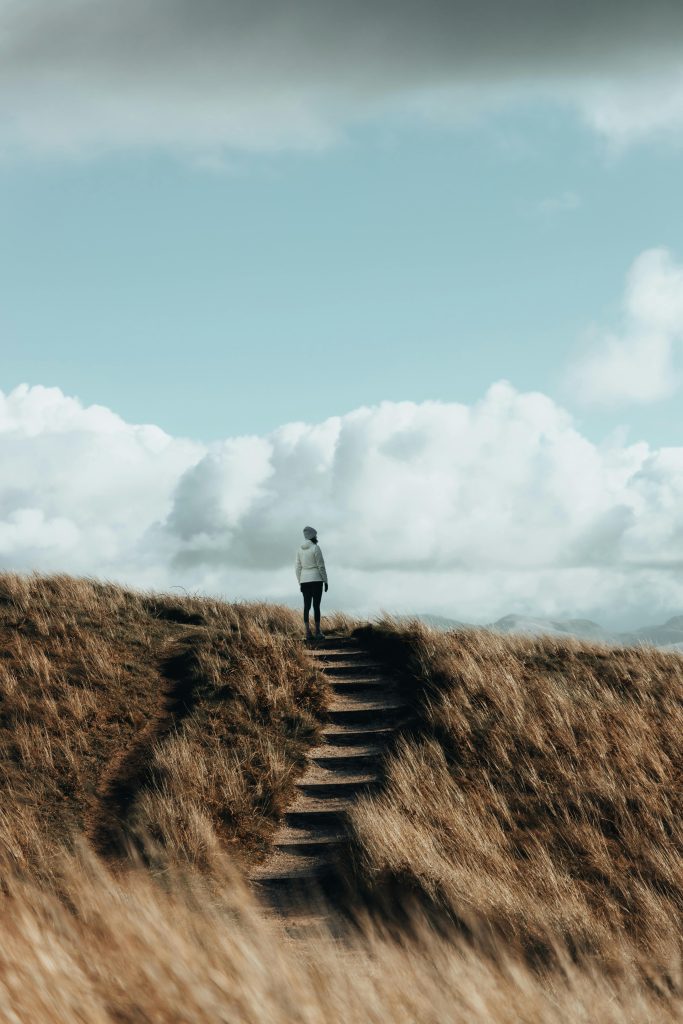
x=301 y=879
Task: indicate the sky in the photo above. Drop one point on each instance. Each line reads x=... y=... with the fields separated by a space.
x=411 y=272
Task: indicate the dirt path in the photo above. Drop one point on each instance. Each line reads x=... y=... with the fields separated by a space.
x=105 y=822
x=301 y=879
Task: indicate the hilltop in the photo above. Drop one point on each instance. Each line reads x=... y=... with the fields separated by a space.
x=523 y=854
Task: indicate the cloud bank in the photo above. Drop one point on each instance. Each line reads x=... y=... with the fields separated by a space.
x=200 y=75
x=639 y=363
x=470 y=511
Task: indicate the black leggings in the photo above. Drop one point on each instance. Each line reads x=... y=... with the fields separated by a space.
x=312 y=592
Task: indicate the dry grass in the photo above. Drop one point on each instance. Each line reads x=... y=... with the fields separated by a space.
x=125 y=713
x=536 y=804
x=539 y=799
x=126 y=951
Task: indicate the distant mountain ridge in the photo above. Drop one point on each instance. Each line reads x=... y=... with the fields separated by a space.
x=668 y=635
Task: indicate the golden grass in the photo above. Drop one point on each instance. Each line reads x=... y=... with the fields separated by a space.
x=535 y=805
x=128 y=714
x=127 y=951
x=539 y=799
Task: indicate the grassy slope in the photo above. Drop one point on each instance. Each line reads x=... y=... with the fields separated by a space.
x=132 y=952
x=537 y=801
x=95 y=735
x=540 y=796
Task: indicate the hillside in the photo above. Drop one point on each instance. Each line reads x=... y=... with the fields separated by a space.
x=523 y=857
x=125 y=713
x=539 y=796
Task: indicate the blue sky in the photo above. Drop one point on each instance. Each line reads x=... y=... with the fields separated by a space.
x=405 y=262
x=410 y=272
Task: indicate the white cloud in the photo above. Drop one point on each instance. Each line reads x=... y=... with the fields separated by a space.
x=79 y=485
x=79 y=76
x=472 y=511
x=638 y=363
x=648 y=103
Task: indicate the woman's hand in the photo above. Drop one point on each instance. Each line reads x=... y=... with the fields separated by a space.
x=326 y=588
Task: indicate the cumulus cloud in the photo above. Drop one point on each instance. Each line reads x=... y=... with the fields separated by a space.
x=80 y=486
x=470 y=511
x=639 y=362
x=78 y=75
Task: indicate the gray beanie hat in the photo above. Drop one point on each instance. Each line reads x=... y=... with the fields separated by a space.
x=310 y=532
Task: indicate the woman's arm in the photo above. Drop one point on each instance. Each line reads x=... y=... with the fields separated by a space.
x=320 y=562
x=298 y=567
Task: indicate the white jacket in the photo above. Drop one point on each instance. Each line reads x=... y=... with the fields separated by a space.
x=310 y=564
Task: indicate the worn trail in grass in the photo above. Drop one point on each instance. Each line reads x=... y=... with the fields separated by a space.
x=131 y=768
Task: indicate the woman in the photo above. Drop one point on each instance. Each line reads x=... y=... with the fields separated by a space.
x=312 y=575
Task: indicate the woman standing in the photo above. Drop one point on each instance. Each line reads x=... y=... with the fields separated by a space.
x=312 y=576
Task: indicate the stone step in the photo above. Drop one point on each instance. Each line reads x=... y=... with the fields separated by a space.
x=388 y=698
x=290 y=877
x=323 y=815
x=326 y=782
x=385 y=708
x=304 y=842
x=350 y=668
x=351 y=684
x=341 y=734
x=364 y=715
x=333 y=652
x=361 y=756
x=323 y=657
x=332 y=655
x=346 y=762
x=281 y=865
